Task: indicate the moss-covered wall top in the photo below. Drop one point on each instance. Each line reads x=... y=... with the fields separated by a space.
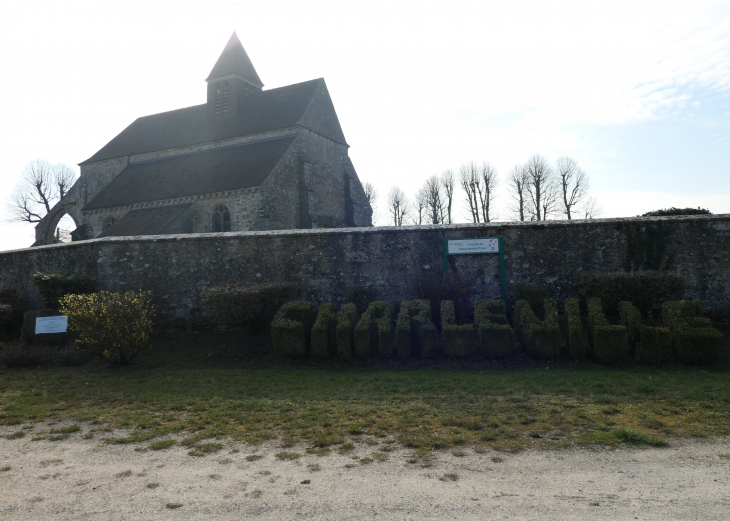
x=328 y=263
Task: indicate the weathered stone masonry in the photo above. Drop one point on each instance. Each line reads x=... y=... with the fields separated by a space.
x=326 y=263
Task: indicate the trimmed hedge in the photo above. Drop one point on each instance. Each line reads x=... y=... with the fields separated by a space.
x=496 y=339
x=655 y=345
x=609 y=342
x=252 y=305
x=55 y=286
x=535 y=295
x=642 y=288
x=346 y=320
x=414 y=329
x=541 y=338
x=631 y=320
x=694 y=341
x=12 y=305
x=324 y=335
x=291 y=328
x=374 y=331
x=576 y=341
x=458 y=339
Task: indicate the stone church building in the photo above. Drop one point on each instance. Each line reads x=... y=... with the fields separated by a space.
x=247 y=159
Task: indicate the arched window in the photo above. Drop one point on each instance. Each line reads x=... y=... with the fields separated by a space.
x=221 y=219
x=108 y=222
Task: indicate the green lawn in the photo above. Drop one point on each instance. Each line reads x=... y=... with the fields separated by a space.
x=176 y=388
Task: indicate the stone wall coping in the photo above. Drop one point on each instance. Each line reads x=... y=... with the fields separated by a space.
x=492 y=228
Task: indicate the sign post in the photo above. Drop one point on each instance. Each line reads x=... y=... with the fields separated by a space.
x=476 y=246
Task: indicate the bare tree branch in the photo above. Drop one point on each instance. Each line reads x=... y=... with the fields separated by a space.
x=540 y=187
x=397 y=205
x=419 y=205
x=470 y=182
x=573 y=184
x=448 y=183
x=434 y=200
x=590 y=209
x=41 y=186
x=518 y=187
x=488 y=178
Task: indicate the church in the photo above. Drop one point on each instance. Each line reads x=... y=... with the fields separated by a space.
x=248 y=159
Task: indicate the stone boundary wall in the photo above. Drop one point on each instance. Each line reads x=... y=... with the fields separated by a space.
x=327 y=263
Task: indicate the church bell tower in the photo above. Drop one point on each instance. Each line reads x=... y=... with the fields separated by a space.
x=233 y=77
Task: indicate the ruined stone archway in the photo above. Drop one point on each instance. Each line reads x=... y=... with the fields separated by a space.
x=46 y=228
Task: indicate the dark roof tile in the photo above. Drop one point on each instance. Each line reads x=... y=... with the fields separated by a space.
x=145 y=221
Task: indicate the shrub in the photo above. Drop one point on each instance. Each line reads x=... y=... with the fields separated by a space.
x=362 y=296
x=346 y=320
x=374 y=331
x=631 y=320
x=495 y=336
x=114 y=326
x=642 y=288
x=676 y=211
x=458 y=339
x=324 y=336
x=12 y=305
x=694 y=341
x=655 y=345
x=535 y=296
x=576 y=341
x=414 y=329
x=609 y=342
x=541 y=339
x=54 y=286
x=252 y=305
x=291 y=328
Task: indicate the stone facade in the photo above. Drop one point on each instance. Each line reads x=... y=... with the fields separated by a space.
x=328 y=263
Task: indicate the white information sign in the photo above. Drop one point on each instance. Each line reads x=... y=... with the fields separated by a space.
x=465 y=246
x=51 y=324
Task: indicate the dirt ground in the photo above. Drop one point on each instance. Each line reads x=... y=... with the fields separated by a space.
x=79 y=478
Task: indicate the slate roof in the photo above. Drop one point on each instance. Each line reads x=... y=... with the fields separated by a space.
x=210 y=171
x=234 y=60
x=145 y=221
x=261 y=112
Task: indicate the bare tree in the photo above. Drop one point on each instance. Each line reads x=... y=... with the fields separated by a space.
x=434 y=199
x=448 y=183
x=41 y=186
x=397 y=205
x=590 y=209
x=419 y=206
x=470 y=182
x=518 y=187
x=488 y=178
x=370 y=194
x=573 y=184
x=540 y=187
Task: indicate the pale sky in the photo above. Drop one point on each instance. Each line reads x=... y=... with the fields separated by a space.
x=638 y=92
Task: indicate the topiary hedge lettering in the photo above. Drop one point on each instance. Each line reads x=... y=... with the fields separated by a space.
x=609 y=342
x=291 y=328
x=414 y=331
x=694 y=341
x=655 y=345
x=346 y=320
x=540 y=338
x=458 y=339
x=324 y=335
x=495 y=336
x=252 y=305
x=576 y=341
x=374 y=331
x=642 y=288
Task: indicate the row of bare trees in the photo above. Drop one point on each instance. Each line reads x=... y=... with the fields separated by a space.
x=538 y=191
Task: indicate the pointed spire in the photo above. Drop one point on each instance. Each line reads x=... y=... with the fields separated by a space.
x=234 y=61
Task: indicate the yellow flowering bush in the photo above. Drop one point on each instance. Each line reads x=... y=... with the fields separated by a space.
x=115 y=326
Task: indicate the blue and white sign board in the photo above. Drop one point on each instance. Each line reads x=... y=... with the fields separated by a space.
x=56 y=324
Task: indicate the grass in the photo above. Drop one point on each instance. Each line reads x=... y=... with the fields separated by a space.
x=178 y=390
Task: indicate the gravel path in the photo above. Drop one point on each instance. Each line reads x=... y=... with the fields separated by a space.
x=85 y=479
